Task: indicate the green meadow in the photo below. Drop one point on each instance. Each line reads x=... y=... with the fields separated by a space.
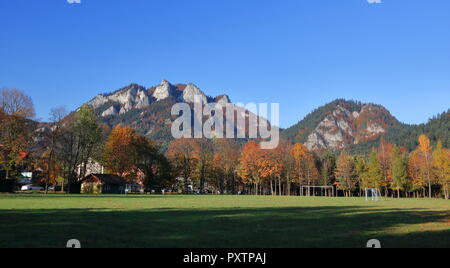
x=35 y=220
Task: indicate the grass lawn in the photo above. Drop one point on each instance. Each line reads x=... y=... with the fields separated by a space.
x=220 y=221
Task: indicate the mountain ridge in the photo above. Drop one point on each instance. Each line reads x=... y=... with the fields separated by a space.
x=340 y=124
x=148 y=110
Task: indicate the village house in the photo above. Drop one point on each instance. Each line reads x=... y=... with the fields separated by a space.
x=91 y=167
x=103 y=184
x=22 y=175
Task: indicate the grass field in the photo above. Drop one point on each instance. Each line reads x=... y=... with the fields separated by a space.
x=220 y=221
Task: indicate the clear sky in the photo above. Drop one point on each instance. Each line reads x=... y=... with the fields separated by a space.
x=300 y=53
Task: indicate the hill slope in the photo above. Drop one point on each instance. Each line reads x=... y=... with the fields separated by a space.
x=340 y=124
x=437 y=128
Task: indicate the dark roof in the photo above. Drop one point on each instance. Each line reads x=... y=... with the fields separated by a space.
x=106 y=178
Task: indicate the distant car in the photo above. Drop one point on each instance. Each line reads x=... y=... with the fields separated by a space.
x=32 y=188
x=54 y=188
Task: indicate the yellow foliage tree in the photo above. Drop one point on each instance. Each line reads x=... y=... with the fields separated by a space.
x=441 y=168
x=425 y=151
x=346 y=173
x=415 y=171
x=305 y=170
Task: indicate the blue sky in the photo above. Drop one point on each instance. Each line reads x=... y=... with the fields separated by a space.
x=300 y=53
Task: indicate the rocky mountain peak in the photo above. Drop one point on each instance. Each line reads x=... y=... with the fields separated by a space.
x=163 y=91
x=148 y=111
x=123 y=96
x=121 y=101
x=222 y=99
x=191 y=91
x=340 y=124
x=335 y=131
x=136 y=97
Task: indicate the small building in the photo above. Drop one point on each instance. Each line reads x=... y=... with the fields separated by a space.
x=25 y=178
x=134 y=188
x=103 y=184
x=91 y=167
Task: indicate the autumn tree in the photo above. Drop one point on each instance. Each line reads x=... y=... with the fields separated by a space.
x=384 y=158
x=425 y=151
x=81 y=139
x=219 y=180
x=361 y=171
x=288 y=165
x=249 y=168
x=416 y=172
x=16 y=110
x=270 y=168
x=399 y=170
x=441 y=168
x=51 y=157
x=375 y=173
x=137 y=158
x=305 y=166
x=284 y=150
x=119 y=152
x=14 y=102
x=181 y=155
x=225 y=164
x=203 y=155
x=328 y=166
x=148 y=160
x=345 y=173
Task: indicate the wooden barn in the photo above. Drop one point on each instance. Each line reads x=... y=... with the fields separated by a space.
x=103 y=184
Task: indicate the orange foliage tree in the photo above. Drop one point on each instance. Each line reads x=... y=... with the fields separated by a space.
x=305 y=170
x=270 y=167
x=136 y=158
x=225 y=164
x=287 y=161
x=16 y=135
x=119 y=152
x=249 y=167
x=384 y=157
x=181 y=154
x=415 y=171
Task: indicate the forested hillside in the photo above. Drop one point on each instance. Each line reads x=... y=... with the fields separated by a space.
x=437 y=128
x=340 y=124
x=358 y=127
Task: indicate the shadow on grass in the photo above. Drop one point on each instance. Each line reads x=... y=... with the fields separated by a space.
x=226 y=228
x=96 y=196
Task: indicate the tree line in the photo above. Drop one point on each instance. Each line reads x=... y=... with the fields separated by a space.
x=59 y=152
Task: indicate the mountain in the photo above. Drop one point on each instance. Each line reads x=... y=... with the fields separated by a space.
x=136 y=97
x=340 y=124
x=404 y=135
x=148 y=110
